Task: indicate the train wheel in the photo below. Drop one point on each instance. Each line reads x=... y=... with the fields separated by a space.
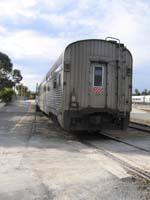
x=125 y=122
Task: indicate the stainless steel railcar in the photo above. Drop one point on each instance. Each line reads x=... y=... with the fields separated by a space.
x=89 y=86
x=141 y=99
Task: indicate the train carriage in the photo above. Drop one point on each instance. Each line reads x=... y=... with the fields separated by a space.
x=89 y=86
x=141 y=99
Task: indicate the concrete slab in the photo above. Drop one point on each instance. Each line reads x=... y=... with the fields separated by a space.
x=140 y=115
x=40 y=161
x=2 y=105
x=130 y=154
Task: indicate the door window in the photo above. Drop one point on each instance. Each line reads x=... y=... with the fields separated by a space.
x=98 y=76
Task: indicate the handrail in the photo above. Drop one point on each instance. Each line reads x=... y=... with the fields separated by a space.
x=113 y=39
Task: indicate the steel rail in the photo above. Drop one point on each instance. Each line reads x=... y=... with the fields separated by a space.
x=124 y=142
x=140 y=126
x=136 y=171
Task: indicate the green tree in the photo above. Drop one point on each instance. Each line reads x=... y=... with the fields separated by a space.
x=8 y=76
x=22 y=90
x=5 y=71
x=29 y=94
x=6 y=94
x=16 y=75
x=145 y=92
x=137 y=92
x=5 y=66
x=19 y=89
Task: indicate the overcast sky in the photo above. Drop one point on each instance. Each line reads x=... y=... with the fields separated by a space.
x=33 y=33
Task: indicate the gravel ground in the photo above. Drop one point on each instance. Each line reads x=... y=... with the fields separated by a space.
x=40 y=161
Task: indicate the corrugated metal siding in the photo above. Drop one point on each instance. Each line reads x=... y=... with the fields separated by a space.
x=112 y=86
x=52 y=100
x=128 y=59
x=79 y=55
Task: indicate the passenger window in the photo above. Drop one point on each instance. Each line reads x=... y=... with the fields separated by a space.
x=54 y=84
x=44 y=88
x=39 y=89
x=48 y=88
x=59 y=80
x=55 y=81
x=98 y=76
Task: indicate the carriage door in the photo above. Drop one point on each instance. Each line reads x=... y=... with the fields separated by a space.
x=97 y=86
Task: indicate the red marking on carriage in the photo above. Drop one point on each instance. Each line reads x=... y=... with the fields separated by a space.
x=97 y=90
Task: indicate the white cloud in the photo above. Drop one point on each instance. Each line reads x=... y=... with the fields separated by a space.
x=16 y=8
x=54 y=19
x=56 y=5
x=130 y=22
x=31 y=80
x=2 y=30
x=77 y=19
x=30 y=44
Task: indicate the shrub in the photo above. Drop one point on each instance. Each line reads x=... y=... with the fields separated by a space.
x=6 y=94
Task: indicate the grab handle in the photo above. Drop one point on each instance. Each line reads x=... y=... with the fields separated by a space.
x=113 y=38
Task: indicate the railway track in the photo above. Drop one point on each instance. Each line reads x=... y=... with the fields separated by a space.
x=139 y=126
x=135 y=170
x=122 y=141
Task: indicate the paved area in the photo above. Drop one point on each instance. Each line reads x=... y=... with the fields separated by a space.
x=39 y=161
x=145 y=107
x=2 y=105
x=141 y=114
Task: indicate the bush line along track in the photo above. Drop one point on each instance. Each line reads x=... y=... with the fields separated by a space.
x=135 y=170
